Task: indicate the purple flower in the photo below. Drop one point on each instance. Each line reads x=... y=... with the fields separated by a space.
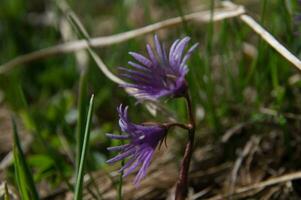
x=143 y=140
x=161 y=74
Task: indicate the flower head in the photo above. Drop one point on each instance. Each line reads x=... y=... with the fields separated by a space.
x=162 y=74
x=143 y=140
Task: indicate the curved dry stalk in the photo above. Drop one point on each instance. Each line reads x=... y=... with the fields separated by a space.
x=261 y=185
x=270 y=39
x=201 y=16
x=266 y=36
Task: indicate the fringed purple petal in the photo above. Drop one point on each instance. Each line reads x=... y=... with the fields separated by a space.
x=140 y=67
x=135 y=73
x=165 y=58
x=152 y=56
x=143 y=170
x=118 y=148
x=177 y=56
x=127 y=164
x=118 y=137
x=140 y=87
x=140 y=58
x=172 y=49
x=132 y=168
x=139 y=159
x=159 y=49
x=121 y=156
x=182 y=44
x=123 y=120
x=188 y=54
x=137 y=80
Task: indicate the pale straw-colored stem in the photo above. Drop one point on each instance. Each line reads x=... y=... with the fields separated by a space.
x=201 y=16
x=266 y=36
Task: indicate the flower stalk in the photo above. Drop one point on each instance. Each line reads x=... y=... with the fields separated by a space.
x=182 y=182
x=175 y=124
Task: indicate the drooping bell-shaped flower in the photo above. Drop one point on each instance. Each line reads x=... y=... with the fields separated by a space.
x=143 y=140
x=162 y=73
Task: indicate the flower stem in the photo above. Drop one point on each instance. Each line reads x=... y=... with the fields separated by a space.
x=182 y=182
x=183 y=126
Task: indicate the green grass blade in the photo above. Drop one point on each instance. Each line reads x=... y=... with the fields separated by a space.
x=82 y=108
x=81 y=121
x=6 y=193
x=24 y=177
x=80 y=173
x=32 y=126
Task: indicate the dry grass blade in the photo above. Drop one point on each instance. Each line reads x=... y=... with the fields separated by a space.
x=74 y=19
x=246 y=150
x=271 y=40
x=261 y=185
x=202 y=16
x=266 y=36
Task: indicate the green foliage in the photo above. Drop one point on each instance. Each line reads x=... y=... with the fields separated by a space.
x=227 y=84
x=82 y=112
x=83 y=154
x=24 y=176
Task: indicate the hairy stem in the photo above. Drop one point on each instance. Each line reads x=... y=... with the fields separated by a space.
x=182 y=182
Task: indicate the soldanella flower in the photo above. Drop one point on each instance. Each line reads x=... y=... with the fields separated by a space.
x=162 y=73
x=143 y=140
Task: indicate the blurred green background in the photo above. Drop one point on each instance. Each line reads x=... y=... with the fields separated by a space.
x=234 y=76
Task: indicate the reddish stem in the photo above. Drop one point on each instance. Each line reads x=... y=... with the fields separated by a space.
x=172 y=124
x=182 y=182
